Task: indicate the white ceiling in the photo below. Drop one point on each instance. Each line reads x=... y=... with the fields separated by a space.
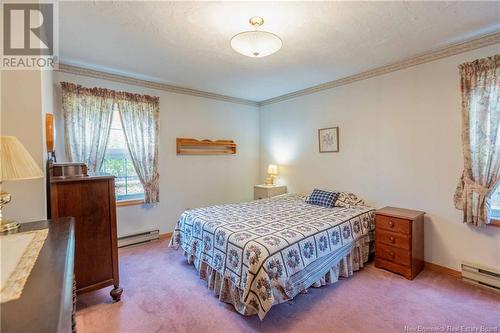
x=187 y=43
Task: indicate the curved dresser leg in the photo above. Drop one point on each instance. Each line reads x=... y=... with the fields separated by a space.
x=116 y=293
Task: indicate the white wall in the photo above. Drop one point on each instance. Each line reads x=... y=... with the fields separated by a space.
x=400 y=145
x=186 y=181
x=22 y=108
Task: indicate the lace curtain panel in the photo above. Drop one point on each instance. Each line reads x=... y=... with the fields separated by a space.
x=140 y=121
x=480 y=86
x=87 y=122
x=88 y=114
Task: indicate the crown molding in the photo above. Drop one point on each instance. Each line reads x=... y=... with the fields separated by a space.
x=444 y=52
x=448 y=51
x=65 y=68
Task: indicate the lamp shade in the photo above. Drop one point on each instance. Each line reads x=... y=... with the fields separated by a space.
x=272 y=169
x=16 y=162
x=256 y=44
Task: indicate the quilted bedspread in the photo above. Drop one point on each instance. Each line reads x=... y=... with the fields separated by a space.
x=261 y=246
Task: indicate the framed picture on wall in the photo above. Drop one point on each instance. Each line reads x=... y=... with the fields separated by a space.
x=328 y=140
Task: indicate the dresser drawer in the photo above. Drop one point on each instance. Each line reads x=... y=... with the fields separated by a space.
x=393 y=254
x=401 y=241
x=395 y=268
x=393 y=224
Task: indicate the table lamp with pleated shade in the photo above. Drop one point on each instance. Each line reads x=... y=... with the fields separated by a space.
x=15 y=164
x=272 y=172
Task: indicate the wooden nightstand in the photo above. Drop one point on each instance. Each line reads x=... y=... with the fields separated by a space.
x=267 y=191
x=399 y=241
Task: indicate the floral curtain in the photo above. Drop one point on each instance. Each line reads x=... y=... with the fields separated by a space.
x=87 y=122
x=480 y=85
x=140 y=119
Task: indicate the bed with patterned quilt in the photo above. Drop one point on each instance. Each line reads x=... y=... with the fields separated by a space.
x=260 y=253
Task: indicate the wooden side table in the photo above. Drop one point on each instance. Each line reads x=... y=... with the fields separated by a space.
x=268 y=191
x=399 y=241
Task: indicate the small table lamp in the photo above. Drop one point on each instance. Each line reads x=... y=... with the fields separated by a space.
x=16 y=164
x=272 y=172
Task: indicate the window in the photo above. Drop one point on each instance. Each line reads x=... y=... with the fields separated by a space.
x=97 y=120
x=495 y=204
x=117 y=162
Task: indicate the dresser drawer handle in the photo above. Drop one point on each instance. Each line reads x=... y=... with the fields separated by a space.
x=392 y=254
x=391 y=224
x=392 y=239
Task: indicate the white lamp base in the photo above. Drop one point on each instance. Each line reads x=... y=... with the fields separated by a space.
x=270 y=180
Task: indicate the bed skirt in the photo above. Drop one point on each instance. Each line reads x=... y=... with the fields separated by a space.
x=227 y=292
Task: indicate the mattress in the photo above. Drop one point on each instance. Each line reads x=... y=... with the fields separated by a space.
x=272 y=249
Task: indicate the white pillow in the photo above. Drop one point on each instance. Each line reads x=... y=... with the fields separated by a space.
x=346 y=199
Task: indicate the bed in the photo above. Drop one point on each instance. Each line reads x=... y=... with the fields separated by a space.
x=260 y=253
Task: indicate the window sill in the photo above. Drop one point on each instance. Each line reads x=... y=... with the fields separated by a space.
x=134 y=202
x=495 y=223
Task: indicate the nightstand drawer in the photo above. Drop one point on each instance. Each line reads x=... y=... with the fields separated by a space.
x=395 y=268
x=393 y=254
x=393 y=224
x=401 y=241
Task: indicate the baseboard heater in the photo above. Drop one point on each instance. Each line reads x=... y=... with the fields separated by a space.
x=139 y=238
x=480 y=275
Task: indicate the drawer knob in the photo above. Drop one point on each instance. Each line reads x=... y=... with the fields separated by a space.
x=392 y=254
x=392 y=239
x=391 y=224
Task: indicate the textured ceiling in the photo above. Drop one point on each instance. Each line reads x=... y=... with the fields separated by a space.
x=187 y=43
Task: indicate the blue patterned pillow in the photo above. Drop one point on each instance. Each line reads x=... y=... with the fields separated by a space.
x=322 y=198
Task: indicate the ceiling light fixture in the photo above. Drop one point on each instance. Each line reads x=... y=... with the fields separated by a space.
x=256 y=44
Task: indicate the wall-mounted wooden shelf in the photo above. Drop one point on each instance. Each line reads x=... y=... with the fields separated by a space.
x=187 y=146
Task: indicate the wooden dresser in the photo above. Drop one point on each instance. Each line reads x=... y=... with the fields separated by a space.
x=46 y=304
x=399 y=240
x=91 y=201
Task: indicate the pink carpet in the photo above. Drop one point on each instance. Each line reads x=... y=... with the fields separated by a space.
x=162 y=293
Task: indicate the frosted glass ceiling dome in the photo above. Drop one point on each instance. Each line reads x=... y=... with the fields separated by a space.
x=256 y=44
